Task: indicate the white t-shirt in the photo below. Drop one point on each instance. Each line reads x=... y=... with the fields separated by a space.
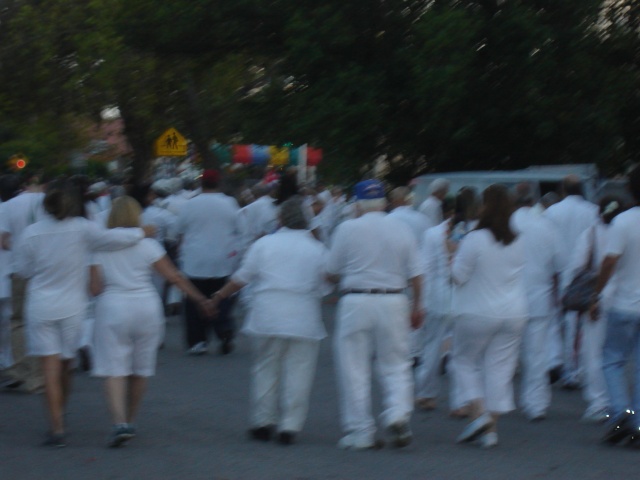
x=374 y=251
x=54 y=256
x=163 y=220
x=543 y=260
x=210 y=244
x=287 y=275
x=128 y=272
x=571 y=217
x=432 y=209
x=489 y=277
x=175 y=203
x=20 y=212
x=261 y=217
x=624 y=241
x=417 y=221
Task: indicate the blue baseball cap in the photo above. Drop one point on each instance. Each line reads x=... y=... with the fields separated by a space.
x=369 y=190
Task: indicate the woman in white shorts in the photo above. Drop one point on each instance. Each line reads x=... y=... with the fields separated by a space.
x=129 y=317
x=54 y=255
x=490 y=311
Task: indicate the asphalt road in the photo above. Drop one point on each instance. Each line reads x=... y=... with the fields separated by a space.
x=194 y=419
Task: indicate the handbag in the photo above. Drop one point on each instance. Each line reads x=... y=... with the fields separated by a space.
x=578 y=296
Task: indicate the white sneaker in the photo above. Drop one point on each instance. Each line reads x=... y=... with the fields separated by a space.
x=488 y=440
x=595 y=416
x=354 y=442
x=474 y=429
x=198 y=349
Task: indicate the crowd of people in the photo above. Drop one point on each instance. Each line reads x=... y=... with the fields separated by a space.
x=468 y=283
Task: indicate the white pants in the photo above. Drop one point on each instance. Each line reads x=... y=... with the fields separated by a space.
x=572 y=338
x=535 y=390
x=373 y=329
x=6 y=356
x=427 y=374
x=486 y=356
x=595 y=387
x=283 y=367
x=554 y=338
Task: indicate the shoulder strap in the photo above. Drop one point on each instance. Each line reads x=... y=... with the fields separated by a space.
x=592 y=248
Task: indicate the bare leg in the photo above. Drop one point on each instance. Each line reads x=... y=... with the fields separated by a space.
x=137 y=388
x=66 y=381
x=116 y=393
x=494 y=422
x=54 y=391
x=476 y=408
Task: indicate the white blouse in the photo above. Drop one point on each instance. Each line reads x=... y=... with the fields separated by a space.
x=489 y=277
x=55 y=255
x=287 y=274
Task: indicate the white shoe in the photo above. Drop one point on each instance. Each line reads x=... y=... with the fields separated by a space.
x=474 y=429
x=354 y=442
x=488 y=440
x=198 y=349
x=595 y=416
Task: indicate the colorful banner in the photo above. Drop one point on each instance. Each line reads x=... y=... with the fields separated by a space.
x=267 y=155
x=260 y=155
x=314 y=156
x=279 y=156
x=241 y=154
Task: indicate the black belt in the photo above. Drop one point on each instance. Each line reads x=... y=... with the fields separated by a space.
x=375 y=291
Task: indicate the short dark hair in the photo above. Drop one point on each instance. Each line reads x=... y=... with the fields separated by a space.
x=63 y=199
x=292 y=213
x=497 y=208
x=633 y=183
x=466 y=205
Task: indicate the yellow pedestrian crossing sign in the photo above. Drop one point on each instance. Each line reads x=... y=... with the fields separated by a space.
x=171 y=144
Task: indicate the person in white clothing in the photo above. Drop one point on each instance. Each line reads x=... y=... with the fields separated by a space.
x=490 y=307
x=432 y=206
x=261 y=214
x=541 y=272
x=375 y=257
x=163 y=220
x=571 y=217
x=590 y=252
x=400 y=204
x=53 y=254
x=436 y=255
x=129 y=317
x=287 y=272
x=8 y=189
x=621 y=269
x=209 y=252
x=19 y=212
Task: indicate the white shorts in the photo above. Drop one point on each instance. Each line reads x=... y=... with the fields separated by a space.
x=126 y=336
x=54 y=337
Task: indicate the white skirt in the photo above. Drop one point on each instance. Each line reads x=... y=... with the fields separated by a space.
x=127 y=334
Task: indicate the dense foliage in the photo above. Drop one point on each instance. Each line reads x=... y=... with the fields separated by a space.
x=430 y=84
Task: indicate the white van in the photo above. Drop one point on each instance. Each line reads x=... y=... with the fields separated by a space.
x=542 y=179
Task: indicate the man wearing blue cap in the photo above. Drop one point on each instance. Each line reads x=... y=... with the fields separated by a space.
x=374 y=256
